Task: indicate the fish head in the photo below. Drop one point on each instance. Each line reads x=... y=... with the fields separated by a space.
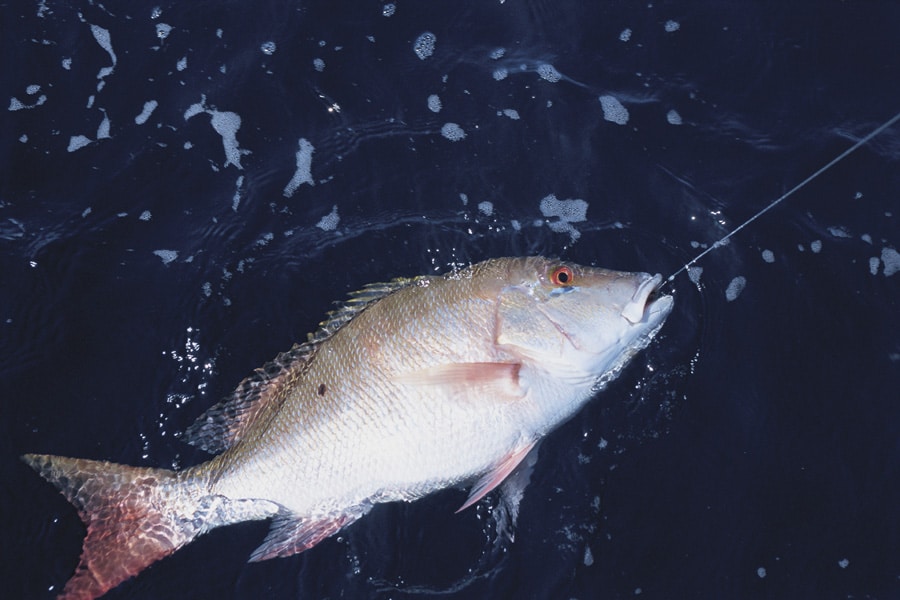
x=578 y=323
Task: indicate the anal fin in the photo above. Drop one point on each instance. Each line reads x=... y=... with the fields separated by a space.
x=291 y=534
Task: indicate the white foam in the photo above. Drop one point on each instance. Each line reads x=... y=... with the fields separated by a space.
x=227 y=124
x=149 y=107
x=566 y=211
x=318 y=64
x=891 y=260
x=768 y=256
x=167 y=256
x=236 y=199
x=434 y=103
x=195 y=109
x=330 y=221
x=671 y=26
x=498 y=53
x=815 y=246
x=303 y=173
x=67 y=64
x=268 y=48
x=761 y=572
x=486 y=208
x=145 y=216
x=843 y=563
x=694 y=274
x=570 y=211
x=86 y=212
x=181 y=65
x=874 y=263
x=453 y=132
x=103 y=38
x=76 y=142
x=265 y=239
x=549 y=73
x=500 y=74
x=163 y=30
x=424 y=45
x=613 y=110
x=388 y=9
x=839 y=232
x=673 y=117
x=16 y=104
x=735 y=288
x=625 y=35
x=511 y=113
x=103 y=128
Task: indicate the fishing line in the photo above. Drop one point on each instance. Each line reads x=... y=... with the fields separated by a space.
x=861 y=142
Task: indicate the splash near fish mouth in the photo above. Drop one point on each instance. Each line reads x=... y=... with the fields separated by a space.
x=409 y=387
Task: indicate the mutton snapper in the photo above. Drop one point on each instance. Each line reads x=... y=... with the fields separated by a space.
x=410 y=387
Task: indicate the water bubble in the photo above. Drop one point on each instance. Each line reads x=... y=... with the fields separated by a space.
x=268 y=48
x=424 y=45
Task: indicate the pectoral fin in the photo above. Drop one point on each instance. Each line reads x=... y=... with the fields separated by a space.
x=495 y=476
x=503 y=378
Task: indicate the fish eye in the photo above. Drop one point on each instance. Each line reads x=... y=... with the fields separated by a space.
x=562 y=275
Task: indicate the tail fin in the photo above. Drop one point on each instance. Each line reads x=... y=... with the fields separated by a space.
x=134 y=517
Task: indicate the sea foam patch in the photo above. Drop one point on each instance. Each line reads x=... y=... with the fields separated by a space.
x=613 y=111
x=303 y=172
x=226 y=124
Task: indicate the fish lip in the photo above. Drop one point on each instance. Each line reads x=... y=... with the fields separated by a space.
x=644 y=299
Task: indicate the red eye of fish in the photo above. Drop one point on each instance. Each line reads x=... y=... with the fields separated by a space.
x=562 y=276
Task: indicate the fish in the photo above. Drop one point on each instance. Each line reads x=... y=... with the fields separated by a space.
x=407 y=388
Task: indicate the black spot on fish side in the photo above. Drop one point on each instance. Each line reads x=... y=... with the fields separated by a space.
x=321 y=389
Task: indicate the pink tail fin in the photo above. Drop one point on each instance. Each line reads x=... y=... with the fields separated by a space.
x=134 y=517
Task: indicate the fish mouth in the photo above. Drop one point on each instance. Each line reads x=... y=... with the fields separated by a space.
x=648 y=304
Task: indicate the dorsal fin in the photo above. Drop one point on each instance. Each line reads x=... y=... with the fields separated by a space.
x=356 y=303
x=260 y=395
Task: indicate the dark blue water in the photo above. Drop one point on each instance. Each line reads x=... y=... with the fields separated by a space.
x=153 y=252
